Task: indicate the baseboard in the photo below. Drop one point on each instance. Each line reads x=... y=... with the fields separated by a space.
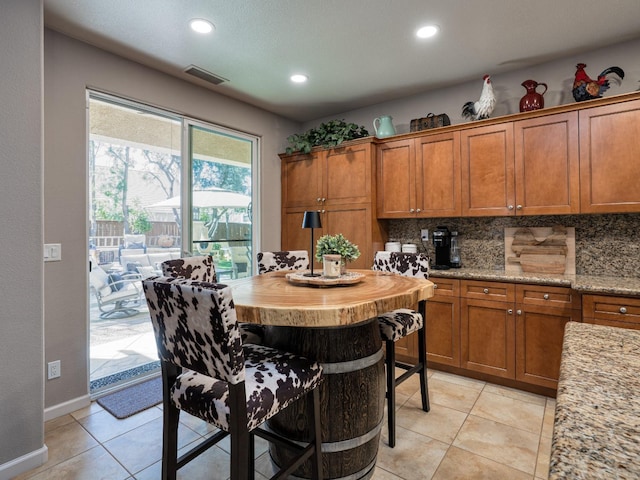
x=67 y=407
x=24 y=463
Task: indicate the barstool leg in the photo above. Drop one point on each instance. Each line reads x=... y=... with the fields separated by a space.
x=422 y=358
x=390 y=359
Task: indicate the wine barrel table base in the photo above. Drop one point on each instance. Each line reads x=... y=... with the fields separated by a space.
x=351 y=396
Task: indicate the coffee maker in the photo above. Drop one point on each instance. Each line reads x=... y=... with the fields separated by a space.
x=442 y=243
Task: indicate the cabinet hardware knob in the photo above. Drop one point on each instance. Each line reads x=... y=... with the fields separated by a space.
x=323 y=199
x=518 y=207
x=510 y=207
x=546 y=296
x=435 y=285
x=411 y=210
x=486 y=290
x=318 y=199
x=322 y=211
x=519 y=312
x=418 y=210
x=623 y=310
x=510 y=311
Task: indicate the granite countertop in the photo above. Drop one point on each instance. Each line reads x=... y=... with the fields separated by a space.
x=582 y=283
x=596 y=433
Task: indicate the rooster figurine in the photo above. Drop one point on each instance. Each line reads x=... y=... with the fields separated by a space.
x=586 y=89
x=484 y=106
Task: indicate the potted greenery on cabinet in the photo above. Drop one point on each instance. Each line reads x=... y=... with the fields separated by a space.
x=330 y=134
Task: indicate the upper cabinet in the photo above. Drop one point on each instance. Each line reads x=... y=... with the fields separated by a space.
x=419 y=177
x=610 y=158
x=570 y=159
x=527 y=167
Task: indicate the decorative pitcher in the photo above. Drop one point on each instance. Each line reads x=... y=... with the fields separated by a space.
x=383 y=126
x=532 y=100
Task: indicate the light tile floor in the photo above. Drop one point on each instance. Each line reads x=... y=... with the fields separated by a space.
x=475 y=430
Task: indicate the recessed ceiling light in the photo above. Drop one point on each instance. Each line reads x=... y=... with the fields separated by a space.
x=299 y=78
x=201 y=26
x=428 y=31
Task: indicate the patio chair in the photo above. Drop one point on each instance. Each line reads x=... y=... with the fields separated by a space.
x=209 y=373
x=202 y=268
x=117 y=295
x=400 y=323
x=285 y=260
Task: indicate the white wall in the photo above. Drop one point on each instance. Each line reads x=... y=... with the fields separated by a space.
x=69 y=67
x=21 y=308
x=558 y=75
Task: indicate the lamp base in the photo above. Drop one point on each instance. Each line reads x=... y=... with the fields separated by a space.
x=311 y=275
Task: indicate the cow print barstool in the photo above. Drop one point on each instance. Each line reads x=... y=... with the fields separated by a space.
x=285 y=260
x=209 y=373
x=202 y=268
x=398 y=324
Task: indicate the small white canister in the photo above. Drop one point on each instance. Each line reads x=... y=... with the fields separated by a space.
x=392 y=246
x=331 y=266
x=409 y=248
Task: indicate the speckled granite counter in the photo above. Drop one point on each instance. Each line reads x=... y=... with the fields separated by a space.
x=596 y=434
x=582 y=283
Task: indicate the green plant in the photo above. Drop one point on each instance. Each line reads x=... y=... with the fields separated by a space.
x=336 y=245
x=329 y=134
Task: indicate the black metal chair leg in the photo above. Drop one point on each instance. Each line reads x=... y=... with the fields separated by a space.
x=422 y=359
x=170 y=441
x=317 y=474
x=390 y=357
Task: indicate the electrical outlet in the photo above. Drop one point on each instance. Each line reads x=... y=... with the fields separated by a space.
x=424 y=234
x=53 y=369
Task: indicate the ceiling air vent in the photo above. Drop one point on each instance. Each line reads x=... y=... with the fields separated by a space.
x=204 y=75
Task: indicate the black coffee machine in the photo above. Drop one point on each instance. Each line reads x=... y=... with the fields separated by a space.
x=442 y=242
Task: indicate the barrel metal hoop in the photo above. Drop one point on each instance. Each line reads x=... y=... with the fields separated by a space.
x=352 y=365
x=365 y=474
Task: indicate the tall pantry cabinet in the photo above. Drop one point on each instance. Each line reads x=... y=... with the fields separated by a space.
x=339 y=183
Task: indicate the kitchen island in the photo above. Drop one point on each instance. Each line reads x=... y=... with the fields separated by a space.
x=596 y=433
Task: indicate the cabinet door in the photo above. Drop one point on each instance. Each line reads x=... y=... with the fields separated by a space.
x=294 y=237
x=302 y=180
x=438 y=175
x=539 y=335
x=347 y=174
x=355 y=223
x=621 y=312
x=547 y=165
x=487 y=337
x=443 y=330
x=396 y=179
x=609 y=153
x=488 y=183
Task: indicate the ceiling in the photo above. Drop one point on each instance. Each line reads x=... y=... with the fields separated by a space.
x=355 y=52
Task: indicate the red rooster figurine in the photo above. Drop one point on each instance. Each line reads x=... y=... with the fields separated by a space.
x=484 y=106
x=586 y=89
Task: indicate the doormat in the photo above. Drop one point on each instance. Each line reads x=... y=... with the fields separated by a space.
x=133 y=399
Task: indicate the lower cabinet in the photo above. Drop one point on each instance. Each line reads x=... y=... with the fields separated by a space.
x=511 y=331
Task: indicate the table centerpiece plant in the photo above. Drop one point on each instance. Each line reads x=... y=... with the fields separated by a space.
x=337 y=245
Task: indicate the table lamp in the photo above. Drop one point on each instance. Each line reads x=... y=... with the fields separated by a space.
x=311 y=220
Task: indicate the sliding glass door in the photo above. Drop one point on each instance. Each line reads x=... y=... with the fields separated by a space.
x=161 y=186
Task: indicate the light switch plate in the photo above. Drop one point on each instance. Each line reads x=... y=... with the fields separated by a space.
x=52 y=252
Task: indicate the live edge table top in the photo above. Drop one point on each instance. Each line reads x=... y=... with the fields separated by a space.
x=270 y=299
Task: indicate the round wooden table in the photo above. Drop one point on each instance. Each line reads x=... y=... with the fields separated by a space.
x=336 y=326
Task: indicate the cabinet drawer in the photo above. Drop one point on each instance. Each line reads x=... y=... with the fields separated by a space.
x=546 y=296
x=481 y=290
x=604 y=308
x=445 y=287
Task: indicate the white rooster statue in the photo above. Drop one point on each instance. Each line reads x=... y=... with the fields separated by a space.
x=484 y=106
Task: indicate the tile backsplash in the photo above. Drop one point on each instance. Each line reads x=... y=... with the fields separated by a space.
x=607 y=245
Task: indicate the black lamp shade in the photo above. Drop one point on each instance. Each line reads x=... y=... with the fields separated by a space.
x=311 y=220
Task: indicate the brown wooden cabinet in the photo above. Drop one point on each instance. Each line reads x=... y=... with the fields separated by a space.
x=487 y=327
x=623 y=312
x=547 y=165
x=526 y=167
x=443 y=322
x=339 y=184
x=541 y=315
x=419 y=177
x=609 y=153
